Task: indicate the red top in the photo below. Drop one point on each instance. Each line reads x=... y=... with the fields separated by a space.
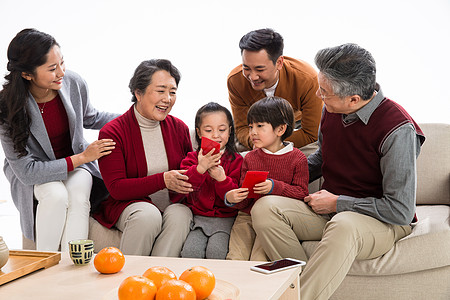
x=124 y=171
x=288 y=171
x=208 y=195
x=353 y=168
x=57 y=125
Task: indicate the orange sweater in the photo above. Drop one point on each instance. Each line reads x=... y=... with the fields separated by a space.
x=297 y=84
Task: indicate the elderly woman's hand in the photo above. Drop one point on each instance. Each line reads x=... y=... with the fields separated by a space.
x=176 y=181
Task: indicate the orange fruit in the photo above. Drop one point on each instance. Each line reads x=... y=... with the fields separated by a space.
x=175 y=290
x=137 y=288
x=201 y=279
x=109 y=260
x=159 y=275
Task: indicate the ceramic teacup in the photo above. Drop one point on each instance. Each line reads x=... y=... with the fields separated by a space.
x=81 y=251
x=4 y=253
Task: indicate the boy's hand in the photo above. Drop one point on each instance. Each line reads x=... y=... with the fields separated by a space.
x=263 y=188
x=237 y=195
x=207 y=161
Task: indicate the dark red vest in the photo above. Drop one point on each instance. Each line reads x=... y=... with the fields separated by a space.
x=351 y=152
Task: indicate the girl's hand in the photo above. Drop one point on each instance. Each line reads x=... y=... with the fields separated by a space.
x=263 y=188
x=237 y=195
x=176 y=181
x=217 y=173
x=207 y=161
x=94 y=151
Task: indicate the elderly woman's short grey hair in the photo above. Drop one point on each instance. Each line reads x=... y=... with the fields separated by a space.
x=142 y=76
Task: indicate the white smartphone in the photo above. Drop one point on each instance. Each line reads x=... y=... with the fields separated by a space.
x=277 y=265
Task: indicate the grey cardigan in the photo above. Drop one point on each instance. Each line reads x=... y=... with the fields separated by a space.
x=40 y=165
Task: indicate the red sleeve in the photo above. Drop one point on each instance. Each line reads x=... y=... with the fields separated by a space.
x=190 y=163
x=298 y=189
x=233 y=173
x=69 y=164
x=123 y=186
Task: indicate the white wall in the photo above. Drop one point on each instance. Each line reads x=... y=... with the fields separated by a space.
x=105 y=40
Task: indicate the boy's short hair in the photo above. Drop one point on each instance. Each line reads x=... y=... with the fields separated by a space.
x=273 y=110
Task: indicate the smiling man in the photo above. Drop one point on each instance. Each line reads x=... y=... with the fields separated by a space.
x=265 y=72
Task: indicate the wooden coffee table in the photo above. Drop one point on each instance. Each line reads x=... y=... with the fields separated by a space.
x=67 y=281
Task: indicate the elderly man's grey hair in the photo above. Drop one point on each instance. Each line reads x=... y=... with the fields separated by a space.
x=350 y=70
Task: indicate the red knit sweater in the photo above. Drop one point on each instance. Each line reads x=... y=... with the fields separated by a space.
x=288 y=171
x=207 y=197
x=351 y=152
x=57 y=125
x=124 y=171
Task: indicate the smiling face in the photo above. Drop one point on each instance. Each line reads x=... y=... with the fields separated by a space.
x=47 y=77
x=159 y=96
x=215 y=126
x=259 y=70
x=263 y=135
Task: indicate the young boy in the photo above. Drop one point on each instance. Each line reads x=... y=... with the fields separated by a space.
x=271 y=121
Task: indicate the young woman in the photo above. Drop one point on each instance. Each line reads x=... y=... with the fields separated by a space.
x=43 y=111
x=211 y=175
x=271 y=121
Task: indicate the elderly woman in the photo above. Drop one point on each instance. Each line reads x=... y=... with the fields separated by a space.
x=142 y=173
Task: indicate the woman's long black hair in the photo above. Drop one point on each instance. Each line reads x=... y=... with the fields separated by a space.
x=27 y=51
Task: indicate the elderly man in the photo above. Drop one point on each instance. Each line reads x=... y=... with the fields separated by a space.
x=368 y=146
x=266 y=72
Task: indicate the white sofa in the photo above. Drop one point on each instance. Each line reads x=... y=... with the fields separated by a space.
x=418 y=266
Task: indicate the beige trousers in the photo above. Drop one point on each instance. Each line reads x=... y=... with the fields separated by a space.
x=281 y=224
x=244 y=245
x=309 y=149
x=146 y=232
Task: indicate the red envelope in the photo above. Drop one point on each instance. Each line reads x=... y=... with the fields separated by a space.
x=251 y=178
x=208 y=145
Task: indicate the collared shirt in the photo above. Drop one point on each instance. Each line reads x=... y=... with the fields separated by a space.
x=288 y=147
x=399 y=153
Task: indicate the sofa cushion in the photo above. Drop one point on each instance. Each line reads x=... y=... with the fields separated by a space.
x=433 y=165
x=429 y=284
x=432 y=218
x=413 y=253
x=102 y=236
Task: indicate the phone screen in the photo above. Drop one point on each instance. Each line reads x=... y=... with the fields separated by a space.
x=278 y=264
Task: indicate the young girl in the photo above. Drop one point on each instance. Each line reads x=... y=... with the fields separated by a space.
x=271 y=121
x=211 y=176
x=44 y=110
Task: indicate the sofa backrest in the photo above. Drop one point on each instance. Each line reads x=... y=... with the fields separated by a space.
x=433 y=165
